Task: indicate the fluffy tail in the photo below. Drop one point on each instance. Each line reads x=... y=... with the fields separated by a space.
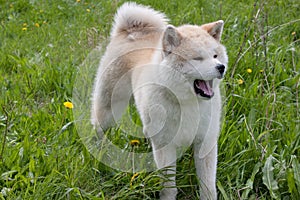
x=132 y=17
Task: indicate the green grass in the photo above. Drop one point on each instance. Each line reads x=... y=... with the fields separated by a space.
x=42 y=155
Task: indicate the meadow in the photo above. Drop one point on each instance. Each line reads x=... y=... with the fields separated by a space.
x=44 y=46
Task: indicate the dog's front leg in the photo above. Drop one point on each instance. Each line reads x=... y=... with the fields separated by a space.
x=206 y=172
x=166 y=157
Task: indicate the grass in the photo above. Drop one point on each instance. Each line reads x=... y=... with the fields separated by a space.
x=43 y=45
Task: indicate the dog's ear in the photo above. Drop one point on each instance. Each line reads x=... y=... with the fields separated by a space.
x=171 y=39
x=214 y=29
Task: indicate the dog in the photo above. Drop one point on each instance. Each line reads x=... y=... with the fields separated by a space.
x=173 y=74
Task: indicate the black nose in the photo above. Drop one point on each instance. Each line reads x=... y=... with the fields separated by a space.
x=220 y=68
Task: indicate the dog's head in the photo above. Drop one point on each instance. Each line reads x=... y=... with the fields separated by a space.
x=196 y=52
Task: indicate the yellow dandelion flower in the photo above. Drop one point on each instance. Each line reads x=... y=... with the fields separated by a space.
x=88 y=10
x=133 y=177
x=240 y=81
x=134 y=142
x=24 y=24
x=294 y=33
x=37 y=25
x=68 y=104
x=249 y=71
x=24 y=29
x=77 y=1
x=261 y=71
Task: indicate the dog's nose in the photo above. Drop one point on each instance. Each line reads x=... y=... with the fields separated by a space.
x=220 y=68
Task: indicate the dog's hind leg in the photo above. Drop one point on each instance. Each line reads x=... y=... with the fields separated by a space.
x=110 y=97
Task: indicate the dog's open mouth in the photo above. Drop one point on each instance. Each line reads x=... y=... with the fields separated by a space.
x=204 y=88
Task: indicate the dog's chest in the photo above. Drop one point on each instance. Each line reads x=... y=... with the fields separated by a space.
x=175 y=123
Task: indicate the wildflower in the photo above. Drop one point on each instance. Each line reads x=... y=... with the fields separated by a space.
x=261 y=71
x=24 y=29
x=240 y=81
x=88 y=10
x=24 y=24
x=249 y=71
x=77 y=1
x=37 y=25
x=68 y=104
x=134 y=142
x=133 y=177
x=294 y=33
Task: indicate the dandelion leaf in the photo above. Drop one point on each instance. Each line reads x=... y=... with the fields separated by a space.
x=268 y=178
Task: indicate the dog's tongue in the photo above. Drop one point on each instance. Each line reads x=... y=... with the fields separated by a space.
x=205 y=87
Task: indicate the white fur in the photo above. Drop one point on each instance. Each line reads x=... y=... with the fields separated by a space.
x=156 y=63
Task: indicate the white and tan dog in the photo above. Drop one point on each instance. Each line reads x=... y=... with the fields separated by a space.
x=174 y=75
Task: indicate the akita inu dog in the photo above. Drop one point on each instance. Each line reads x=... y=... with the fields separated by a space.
x=173 y=74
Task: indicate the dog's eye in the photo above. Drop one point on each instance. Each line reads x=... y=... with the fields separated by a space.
x=215 y=56
x=198 y=58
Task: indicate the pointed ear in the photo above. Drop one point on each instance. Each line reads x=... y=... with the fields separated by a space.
x=214 y=29
x=171 y=39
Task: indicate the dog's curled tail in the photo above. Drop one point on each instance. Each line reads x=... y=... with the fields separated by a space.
x=132 y=17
